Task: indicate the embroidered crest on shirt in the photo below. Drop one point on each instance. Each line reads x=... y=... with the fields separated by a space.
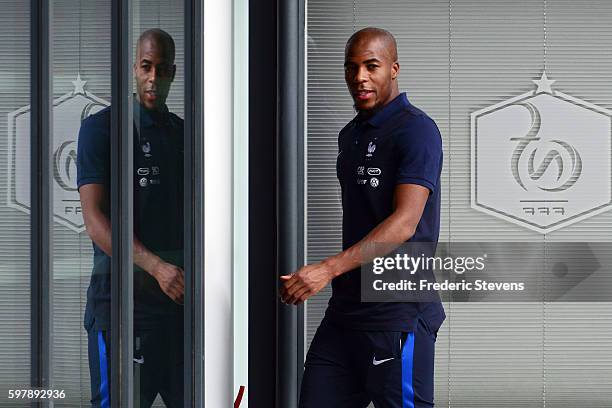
x=371 y=149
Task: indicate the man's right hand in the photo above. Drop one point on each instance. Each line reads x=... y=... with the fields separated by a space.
x=171 y=280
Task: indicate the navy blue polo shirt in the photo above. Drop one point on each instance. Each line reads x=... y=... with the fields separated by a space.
x=399 y=144
x=158 y=207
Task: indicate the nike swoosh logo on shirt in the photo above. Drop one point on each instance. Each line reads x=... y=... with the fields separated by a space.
x=377 y=362
x=139 y=360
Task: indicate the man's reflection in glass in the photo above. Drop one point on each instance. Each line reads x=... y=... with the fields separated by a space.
x=158 y=230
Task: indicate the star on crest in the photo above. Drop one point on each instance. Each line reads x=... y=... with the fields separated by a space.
x=544 y=84
x=79 y=85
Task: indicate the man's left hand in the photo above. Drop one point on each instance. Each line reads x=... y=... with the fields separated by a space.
x=306 y=282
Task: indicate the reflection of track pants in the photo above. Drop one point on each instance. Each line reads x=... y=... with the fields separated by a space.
x=349 y=368
x=158 y=367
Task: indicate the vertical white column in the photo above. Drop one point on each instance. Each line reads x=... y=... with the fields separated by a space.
x=218 y=205
x=241 y=198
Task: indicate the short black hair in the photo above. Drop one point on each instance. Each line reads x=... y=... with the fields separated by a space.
x=374 y=32
x=159 y=35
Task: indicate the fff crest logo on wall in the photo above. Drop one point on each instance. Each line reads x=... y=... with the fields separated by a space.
x=68 y=112
x=542 y=159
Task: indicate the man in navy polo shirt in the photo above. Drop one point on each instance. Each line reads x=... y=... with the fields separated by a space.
x=389 y=164
x=158 y=232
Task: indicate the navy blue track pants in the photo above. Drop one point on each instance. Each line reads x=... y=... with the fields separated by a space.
x=347 y=368
x=158 y=367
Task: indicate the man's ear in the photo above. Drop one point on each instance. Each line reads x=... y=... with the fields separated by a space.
x=395 y=70
x=173 y=71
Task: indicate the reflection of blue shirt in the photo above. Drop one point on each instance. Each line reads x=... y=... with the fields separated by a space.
x=399 y=144
x=158 y=206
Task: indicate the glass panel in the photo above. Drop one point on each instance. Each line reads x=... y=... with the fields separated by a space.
x=158 y=44
x=81 y=89
x=14 y=197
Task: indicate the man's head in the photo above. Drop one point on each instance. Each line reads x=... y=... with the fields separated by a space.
x=371 y=69
x=154 y=67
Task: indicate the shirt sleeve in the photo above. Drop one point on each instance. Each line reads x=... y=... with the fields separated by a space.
x=93 y=153
x=420 y=154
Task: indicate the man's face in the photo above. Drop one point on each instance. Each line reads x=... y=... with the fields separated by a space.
x=370 y=72
x=154 y=71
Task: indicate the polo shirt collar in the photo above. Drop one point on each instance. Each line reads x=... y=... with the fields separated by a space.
x=144 y=117
x=389 y=110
